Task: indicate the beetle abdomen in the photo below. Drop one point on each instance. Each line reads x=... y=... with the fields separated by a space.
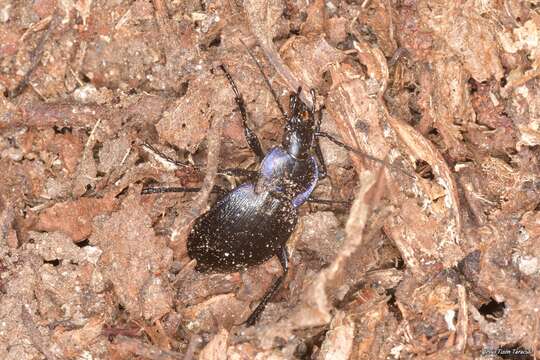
x=244 y=228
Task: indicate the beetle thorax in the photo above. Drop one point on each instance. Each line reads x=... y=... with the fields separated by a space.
x=283 y=174
x=298 y=139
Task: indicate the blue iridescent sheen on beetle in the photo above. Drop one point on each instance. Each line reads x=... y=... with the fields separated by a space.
x=254 y=221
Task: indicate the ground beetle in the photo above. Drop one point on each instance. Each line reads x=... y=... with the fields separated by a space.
x=253 y=222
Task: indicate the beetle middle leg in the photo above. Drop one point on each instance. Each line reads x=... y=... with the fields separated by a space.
x=283 y=257
x=250 y=174
x=329 y=202
x=178 y=189
x=251 y=137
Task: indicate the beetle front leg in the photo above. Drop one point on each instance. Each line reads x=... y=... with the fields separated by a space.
x=251 y=137
x=318 y=152
x=283 y=257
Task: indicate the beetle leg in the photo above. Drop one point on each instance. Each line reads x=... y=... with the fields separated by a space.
x=170 y=189
x=329 y=202
x=239 y=172
x=283 y=257
x=322 y=166
x=318 y=152
x=362 y=154
x=251 y=137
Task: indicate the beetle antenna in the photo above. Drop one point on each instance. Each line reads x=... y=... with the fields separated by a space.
x=274 y=95
x=314 y=121
x=362 y=154
x=295 y=98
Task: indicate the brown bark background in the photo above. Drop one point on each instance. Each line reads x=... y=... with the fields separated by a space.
x=444 y=264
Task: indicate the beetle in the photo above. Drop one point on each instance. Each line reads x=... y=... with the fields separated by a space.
x=253 y=222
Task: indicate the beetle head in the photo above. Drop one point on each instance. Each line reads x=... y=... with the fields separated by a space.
x=299 y=131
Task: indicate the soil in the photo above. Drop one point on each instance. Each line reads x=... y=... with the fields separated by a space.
x=432 y=251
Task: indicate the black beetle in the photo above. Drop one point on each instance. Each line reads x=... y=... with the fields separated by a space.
x=253 y=222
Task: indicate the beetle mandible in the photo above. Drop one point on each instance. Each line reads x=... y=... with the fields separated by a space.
x=252 y=223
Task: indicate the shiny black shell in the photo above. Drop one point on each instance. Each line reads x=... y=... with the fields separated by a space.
x=243 y=228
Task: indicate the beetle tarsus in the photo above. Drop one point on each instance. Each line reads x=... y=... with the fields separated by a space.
x=283 y=257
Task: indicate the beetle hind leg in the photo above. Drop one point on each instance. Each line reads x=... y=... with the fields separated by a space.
x=283 y=257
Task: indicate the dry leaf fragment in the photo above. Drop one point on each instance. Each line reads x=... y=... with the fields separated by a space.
x=338 y=343
x=459 y=25
x=74 y=218
x=216 y=349
x=133 y=259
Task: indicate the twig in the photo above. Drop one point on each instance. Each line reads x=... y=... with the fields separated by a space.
x=194 y=344
x=214 y=144
x=168 y=162
x=315 y=309
x=522 y=80
x=181 y=225
x=90 y=139
x=6 y=219
x=355 y=223
x=34 y=335
x=35 y=57
x=162 y=16
x=169 y=42
x=87 y=152
x=463 y=320
x=40 y=114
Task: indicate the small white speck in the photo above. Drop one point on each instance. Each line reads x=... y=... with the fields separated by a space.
x=449 y=318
